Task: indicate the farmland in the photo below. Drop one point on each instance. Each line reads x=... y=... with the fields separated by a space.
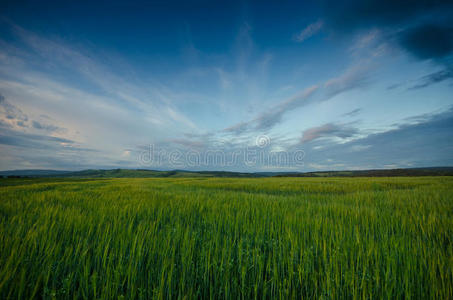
x=249 y=238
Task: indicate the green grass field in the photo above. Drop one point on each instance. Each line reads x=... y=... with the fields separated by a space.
x=232 y=238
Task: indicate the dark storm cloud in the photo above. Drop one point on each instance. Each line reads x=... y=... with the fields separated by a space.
x=350 y=15
x=427 y=25
x=428 y=41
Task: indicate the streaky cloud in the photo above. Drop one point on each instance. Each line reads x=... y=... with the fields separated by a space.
x=267 y=120
x=433 y=78
x=328 y=130
x=352 y=113
x=309 y=31
x=424 y=140
x=354 y=77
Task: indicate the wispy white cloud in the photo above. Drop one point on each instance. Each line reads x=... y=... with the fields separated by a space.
x=309 y=31
x=269 y=119
x=125 y=87
x=121 y=111
x=354 y=77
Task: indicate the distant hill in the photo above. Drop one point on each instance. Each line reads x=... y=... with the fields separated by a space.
x=433 y=171
x=144 y=173
x=33 y=173
x=123 y=173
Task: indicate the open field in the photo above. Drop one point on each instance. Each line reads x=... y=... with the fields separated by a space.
x=227 y=238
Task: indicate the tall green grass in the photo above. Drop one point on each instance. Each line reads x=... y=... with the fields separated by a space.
x=356 y=238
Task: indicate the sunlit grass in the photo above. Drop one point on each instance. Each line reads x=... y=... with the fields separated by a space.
x=227 y=238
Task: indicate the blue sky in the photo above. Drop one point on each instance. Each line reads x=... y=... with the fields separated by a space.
x=236 y=85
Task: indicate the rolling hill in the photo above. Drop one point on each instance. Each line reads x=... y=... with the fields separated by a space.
x=144 y=173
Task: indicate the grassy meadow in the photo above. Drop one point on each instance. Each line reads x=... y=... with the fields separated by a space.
x=226 y=238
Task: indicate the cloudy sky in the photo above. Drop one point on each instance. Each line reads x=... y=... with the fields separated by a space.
x=227 y=85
